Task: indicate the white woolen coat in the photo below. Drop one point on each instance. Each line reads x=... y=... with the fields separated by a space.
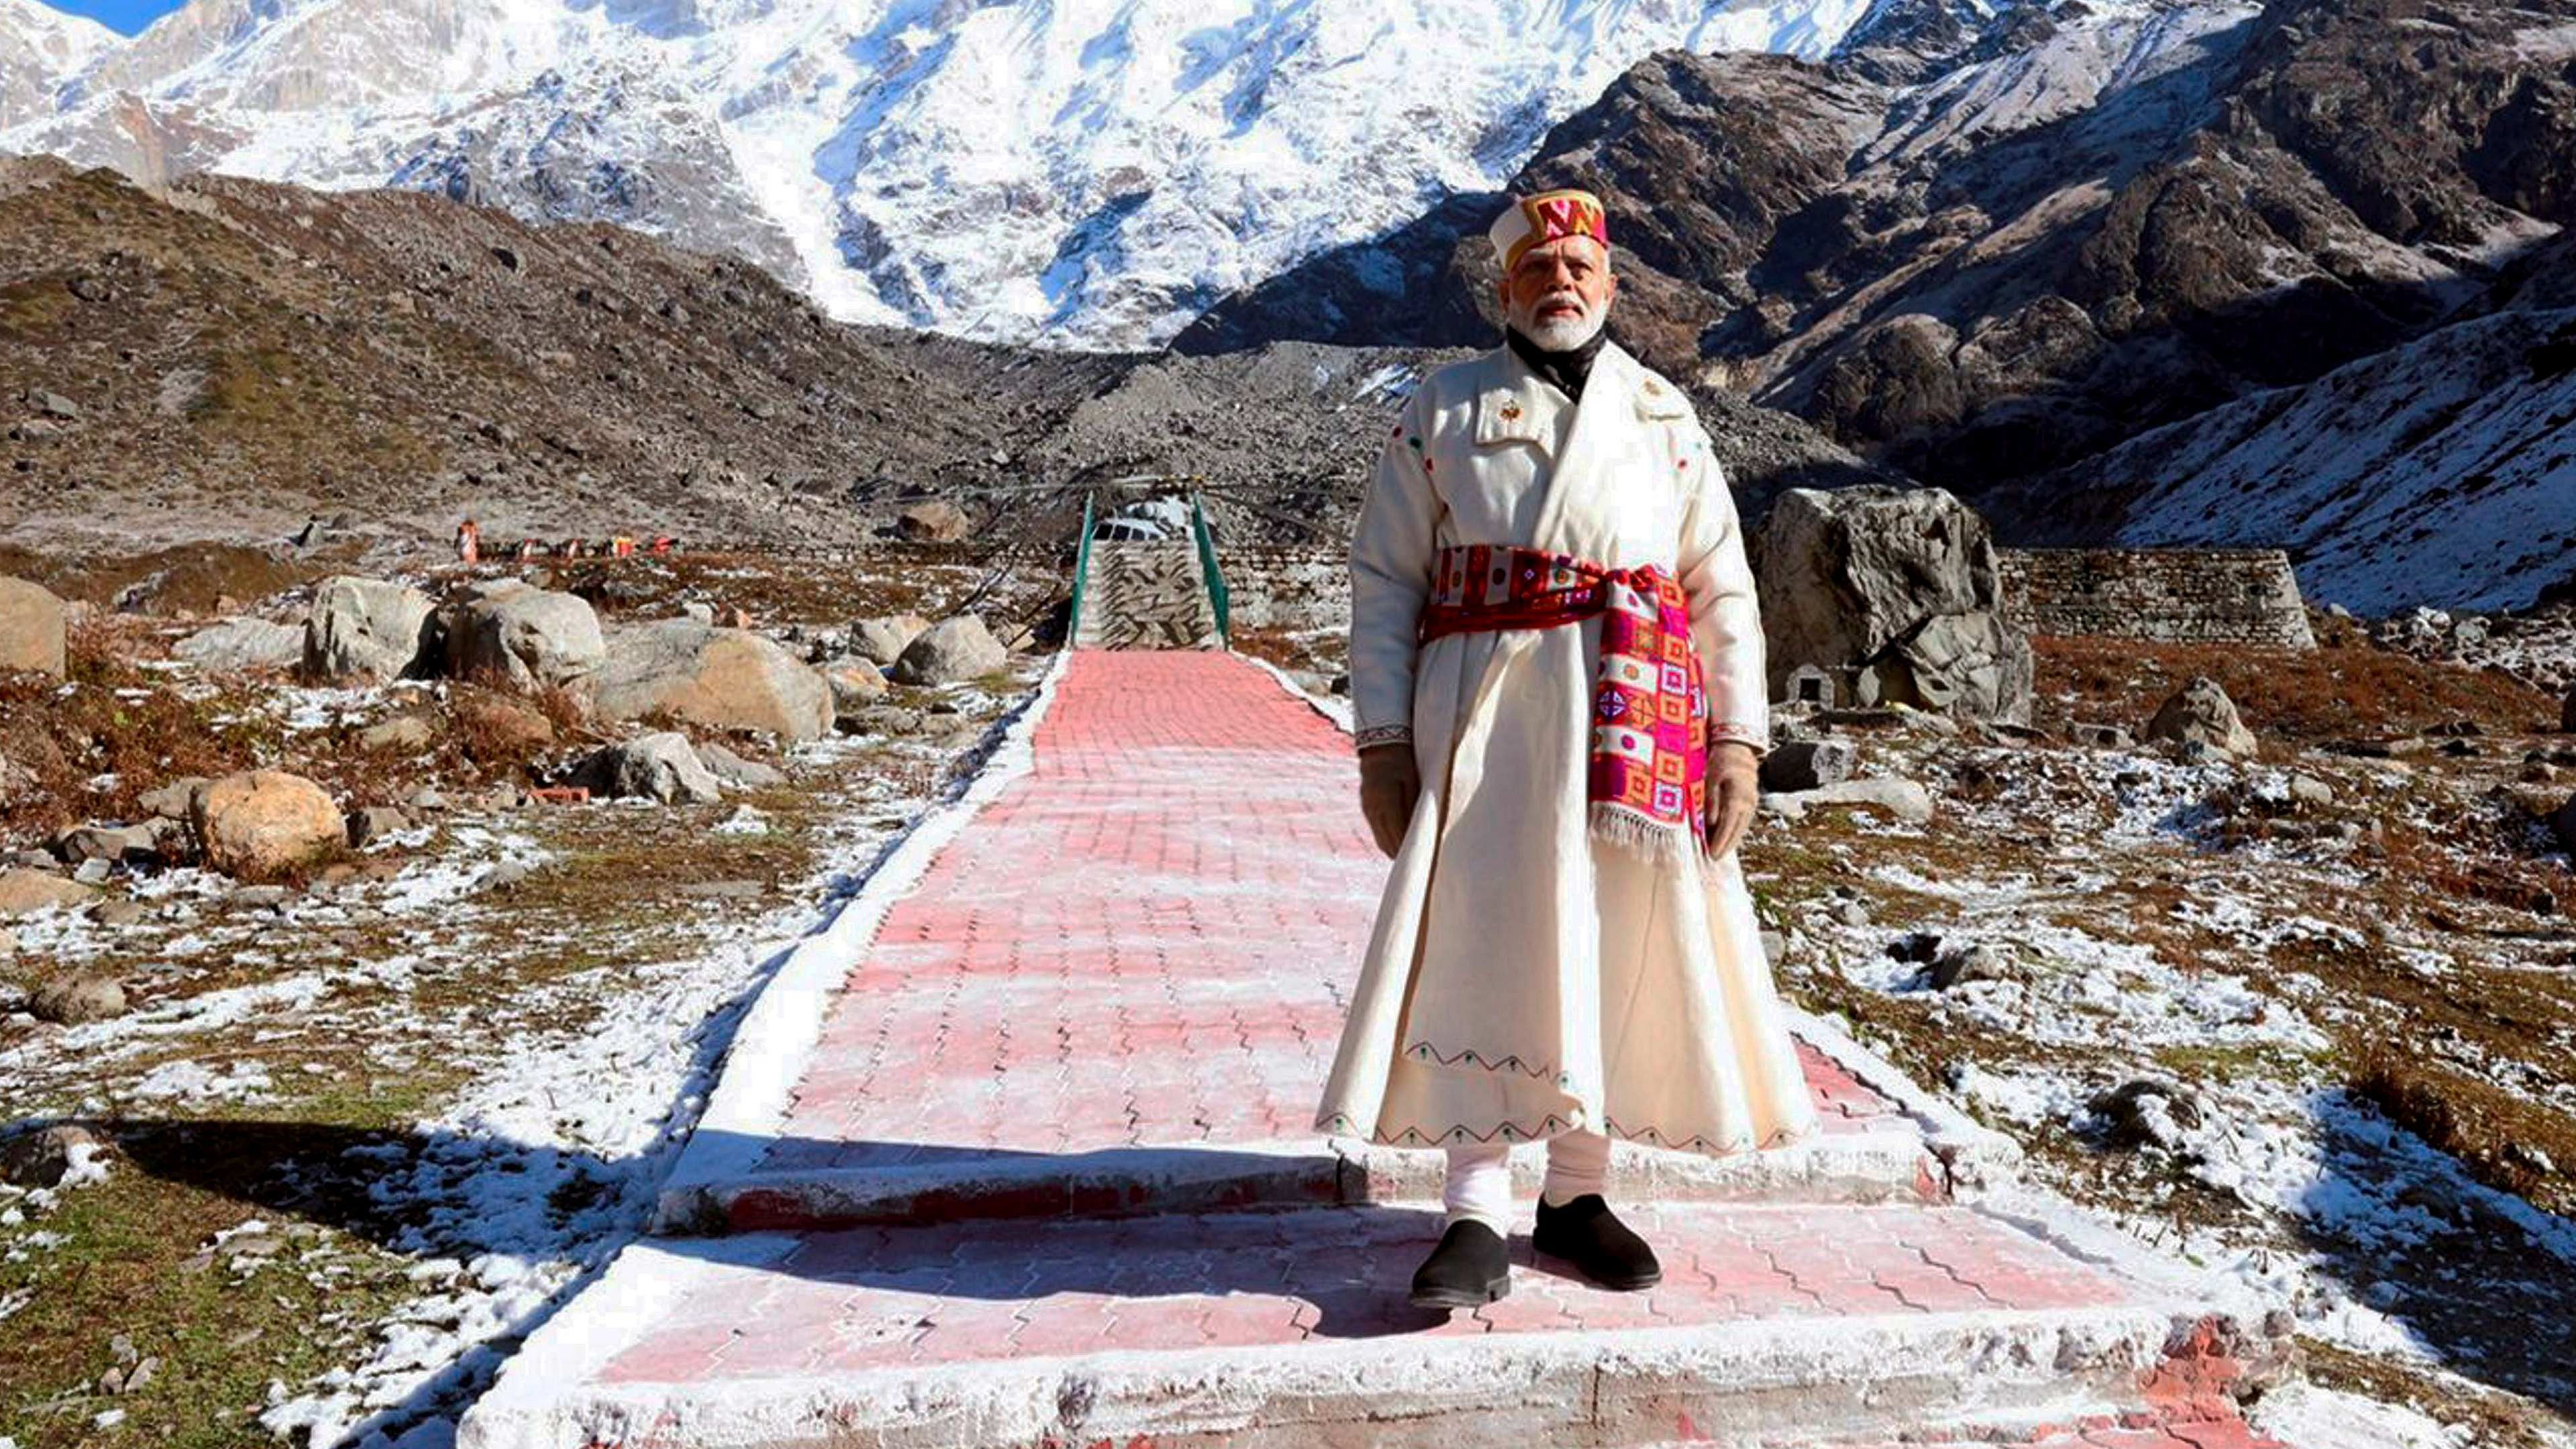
x=1523 y=976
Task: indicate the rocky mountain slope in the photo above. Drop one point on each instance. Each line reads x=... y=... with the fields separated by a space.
x=226 y=359
x=1990 y=252
x=1094 y=172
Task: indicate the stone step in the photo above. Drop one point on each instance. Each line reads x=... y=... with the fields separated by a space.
x=1875 y=1159
x=1142 y=595
x=1816 y=1324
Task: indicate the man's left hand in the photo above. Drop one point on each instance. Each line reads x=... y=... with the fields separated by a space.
x=1734 y=778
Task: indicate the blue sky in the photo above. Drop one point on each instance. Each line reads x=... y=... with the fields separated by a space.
x=128 y=16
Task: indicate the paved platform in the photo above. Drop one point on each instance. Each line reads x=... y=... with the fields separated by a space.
x=1121 y=988
x=1014 y=1153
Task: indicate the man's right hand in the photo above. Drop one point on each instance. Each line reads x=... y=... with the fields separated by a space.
x=1389 y=784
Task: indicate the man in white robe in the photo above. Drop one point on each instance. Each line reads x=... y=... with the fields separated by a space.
x=1532 y=976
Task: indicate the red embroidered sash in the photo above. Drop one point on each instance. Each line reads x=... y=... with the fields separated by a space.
x=1649 y=756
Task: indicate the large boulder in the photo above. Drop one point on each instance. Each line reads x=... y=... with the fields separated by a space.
x=264 y=823
x=2201 y=713
x=235 y=645
x=24 y=891
x=722 y=679
x=31 y=628
x=1896 y=590
x=883 y=639
x=364 y=630
x=662 y=767
x=935 y=521
x=950 y=650
x=523 y=638
x=78 y=999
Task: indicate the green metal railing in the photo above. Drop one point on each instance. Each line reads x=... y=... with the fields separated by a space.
x=1217 y=594
x=1081 y=575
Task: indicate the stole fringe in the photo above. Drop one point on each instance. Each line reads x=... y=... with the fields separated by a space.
x=1658 y=841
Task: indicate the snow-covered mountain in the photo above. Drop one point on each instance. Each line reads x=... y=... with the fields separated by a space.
x=39 y=47
x=1089 y=172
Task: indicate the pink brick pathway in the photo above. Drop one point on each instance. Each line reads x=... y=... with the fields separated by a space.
x=844 y=1302
x=1147 y=940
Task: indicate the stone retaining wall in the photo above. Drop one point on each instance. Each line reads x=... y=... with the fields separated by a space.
x=2170 y=595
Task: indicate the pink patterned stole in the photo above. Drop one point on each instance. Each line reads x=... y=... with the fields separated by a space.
x=1649 y=757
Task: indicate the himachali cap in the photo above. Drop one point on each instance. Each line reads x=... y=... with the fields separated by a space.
x=1545 y=217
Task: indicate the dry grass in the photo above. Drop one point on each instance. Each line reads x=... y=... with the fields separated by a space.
x=2295 y=696
x=197 y=578
x=2504 y=1139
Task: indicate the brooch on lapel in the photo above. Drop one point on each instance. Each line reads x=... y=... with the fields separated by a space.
x=1511 y=412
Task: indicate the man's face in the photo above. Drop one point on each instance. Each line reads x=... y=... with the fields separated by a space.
x=1559 y=293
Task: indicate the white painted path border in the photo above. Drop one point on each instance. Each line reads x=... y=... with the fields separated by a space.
x=756 y=1086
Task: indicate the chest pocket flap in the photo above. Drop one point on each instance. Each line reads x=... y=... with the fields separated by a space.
x=1508 y=415
x=1660 y=401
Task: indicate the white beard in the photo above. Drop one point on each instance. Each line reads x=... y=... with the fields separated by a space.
x=1563 y=334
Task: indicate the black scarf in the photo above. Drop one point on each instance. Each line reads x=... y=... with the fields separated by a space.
x=1566 y=369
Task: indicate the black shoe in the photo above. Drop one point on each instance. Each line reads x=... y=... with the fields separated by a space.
x=1603 y=1249
x=1468 y=1270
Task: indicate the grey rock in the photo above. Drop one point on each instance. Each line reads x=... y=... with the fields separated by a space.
x=114 y=844
x=55 y=405
x=720 y=678
x=259 y=897
x=524 y=638
x=886 y=719
x=662 y=767
x=174 y=800
x=78 y=999
x=1851 y=913
x=2309 y=791
x=883 y=639
x=365 y=631
x=375 y=822
x=239 y=645
x=697 y=613
x=2146 y=1110
x=1908 y=800
x=1975 y=961
x=935 y=521
x=120 y=914
x=1806 y=764
x=93 y=872
x=1898 y=588
x=953 y=649
x=32 y=625
x=2100 y=736
x=402 y=732
x=2200 y=713
x=734 y=770
x=856 y=684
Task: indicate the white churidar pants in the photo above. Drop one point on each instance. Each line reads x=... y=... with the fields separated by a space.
x=1480 y=1177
